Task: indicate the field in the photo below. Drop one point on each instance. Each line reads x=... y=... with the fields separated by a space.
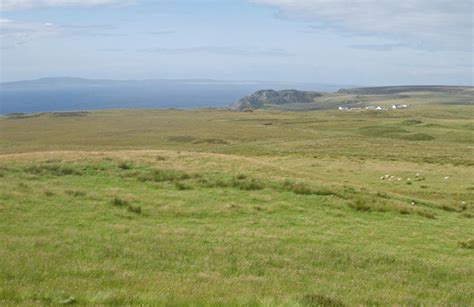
x=213 y=207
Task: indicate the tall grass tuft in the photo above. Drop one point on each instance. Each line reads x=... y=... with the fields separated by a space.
x=119 y=202
x=320 y=301
x=134 y=209
x=162 y=175
x=52 y=169
x=124 y=166
x=469 y=244
x=297 y=187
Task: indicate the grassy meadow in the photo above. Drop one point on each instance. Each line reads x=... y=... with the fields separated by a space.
x=213 y=207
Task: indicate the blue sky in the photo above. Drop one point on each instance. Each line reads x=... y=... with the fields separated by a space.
x=363 y=42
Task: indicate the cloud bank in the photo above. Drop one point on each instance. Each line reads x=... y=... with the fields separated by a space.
x=18 y=33
x=13 y=5
x=423 y=24
x=218 y=50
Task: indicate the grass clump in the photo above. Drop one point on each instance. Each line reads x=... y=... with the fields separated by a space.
x=75 y=193
x=410 y=122
x=119 y=202
x=52 y=169
x=239 y=182
x=426 y=213
x=134 y=209
x=211 y=141
x=448 y=208
x=163 y=175
x=48 y=193
x=123 y=203
x=124 y=166
x=382 y=131
x=320 y=300
x=182 y=139
x=160 y=158
x=247 y=184
x=468 y=244
x=300 y=188
x=418 y=137
x=182 y=186
x=367 y=203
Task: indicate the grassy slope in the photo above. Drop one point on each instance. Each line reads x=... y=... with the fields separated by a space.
x=454 y=96
x=219 y=207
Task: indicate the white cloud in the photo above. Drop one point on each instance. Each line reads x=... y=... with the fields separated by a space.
x=220 y=50
x=426 y=24
x=14 y=33
x=12 y=5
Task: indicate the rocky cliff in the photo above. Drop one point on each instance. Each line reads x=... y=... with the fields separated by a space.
x=270 y=97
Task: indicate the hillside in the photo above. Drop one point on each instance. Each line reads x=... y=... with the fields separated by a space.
x=295 y=100
x=403 y=89
x=213 y=207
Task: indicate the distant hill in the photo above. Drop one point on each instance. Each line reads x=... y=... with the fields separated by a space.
x=294 y=100
x=272 y=97
x=383 y=90
x=70 y=94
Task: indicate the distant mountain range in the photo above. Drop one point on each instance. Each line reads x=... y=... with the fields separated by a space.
x=67 y=94
x=381 y=90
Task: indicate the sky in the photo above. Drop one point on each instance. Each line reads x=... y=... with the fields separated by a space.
x=362 y=42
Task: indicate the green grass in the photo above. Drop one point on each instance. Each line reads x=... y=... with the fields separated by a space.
x=212 y=207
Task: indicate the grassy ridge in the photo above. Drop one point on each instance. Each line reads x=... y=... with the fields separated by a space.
x=216 y=207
